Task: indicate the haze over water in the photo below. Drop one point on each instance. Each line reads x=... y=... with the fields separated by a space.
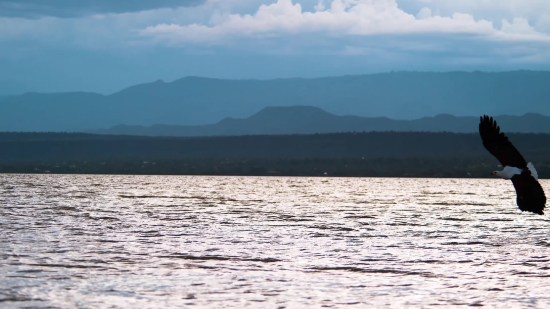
x=268 y=242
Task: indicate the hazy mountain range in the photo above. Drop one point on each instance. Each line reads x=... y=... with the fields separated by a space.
x=193 y=101
x=310 y=120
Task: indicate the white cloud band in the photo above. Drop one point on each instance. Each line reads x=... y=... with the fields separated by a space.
x=340 y=18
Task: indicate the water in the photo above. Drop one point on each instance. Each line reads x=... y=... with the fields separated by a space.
x=211 y=242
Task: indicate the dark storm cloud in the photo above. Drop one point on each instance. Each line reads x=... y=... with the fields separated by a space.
x=76 y=8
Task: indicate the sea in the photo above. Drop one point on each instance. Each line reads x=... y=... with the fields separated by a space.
x=104 y=241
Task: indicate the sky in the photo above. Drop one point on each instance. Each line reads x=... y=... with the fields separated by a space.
x=103 y=45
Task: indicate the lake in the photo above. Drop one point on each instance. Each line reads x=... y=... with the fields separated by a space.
x=98 y=241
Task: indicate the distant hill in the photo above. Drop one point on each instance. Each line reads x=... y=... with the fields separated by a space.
x=200 y=101
x=55 y=112
x=310 y=120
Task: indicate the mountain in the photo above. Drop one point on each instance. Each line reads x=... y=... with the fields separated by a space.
x=310 y=120
x=55 y=112
x=199 y=101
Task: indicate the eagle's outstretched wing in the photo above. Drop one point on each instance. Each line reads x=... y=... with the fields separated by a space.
x=498 y=144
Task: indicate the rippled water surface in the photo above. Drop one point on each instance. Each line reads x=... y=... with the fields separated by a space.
x=260 y=242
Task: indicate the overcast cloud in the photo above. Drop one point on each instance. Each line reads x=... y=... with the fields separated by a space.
x=351 y=36
x=76 y=8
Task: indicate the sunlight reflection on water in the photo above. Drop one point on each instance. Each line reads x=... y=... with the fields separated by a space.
x=268 y=242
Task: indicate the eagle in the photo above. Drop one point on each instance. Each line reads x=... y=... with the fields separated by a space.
x=529 y=193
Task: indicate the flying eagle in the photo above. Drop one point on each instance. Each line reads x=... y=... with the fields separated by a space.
x=529 y=193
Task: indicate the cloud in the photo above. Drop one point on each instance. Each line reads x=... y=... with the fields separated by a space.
x=98 y=31
x=337 y=18
x=394 y=31
x=77 y=8
x=543 y=23
x=485 y=8
x=495 y=10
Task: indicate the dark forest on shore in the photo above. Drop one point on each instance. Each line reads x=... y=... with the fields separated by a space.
x=372 y=154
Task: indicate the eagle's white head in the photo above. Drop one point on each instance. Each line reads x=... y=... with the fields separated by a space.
x=507 y=173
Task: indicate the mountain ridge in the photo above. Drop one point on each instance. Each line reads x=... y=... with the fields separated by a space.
x=199 y=100
x=312 y=120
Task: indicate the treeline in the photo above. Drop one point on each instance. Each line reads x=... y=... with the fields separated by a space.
x=377 y=154
x=24 y=146
x=456 y=167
